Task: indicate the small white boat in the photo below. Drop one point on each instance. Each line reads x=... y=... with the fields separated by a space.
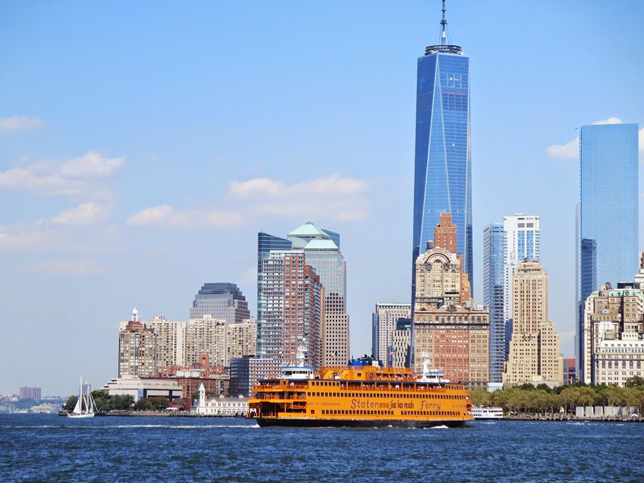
x=480 y=412
x=84 y=405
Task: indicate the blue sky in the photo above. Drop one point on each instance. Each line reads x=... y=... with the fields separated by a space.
x=144 y=144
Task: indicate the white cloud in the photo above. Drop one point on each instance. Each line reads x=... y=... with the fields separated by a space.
x=44 y=236
x=565 y=151
x=76 y=178
x=17 y=123
x=151 y=216
x=83 y=214
x=571 y=149
x=91 y=165
x=610 y=120
x=333 y=185
x=57 y=266
x=334 y=197
x=165 y=215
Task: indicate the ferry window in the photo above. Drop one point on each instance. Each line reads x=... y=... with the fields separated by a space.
x=312 y=411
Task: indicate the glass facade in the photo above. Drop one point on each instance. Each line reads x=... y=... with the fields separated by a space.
x=607 y=231
x=442 y=180
x=493 y=285
x=224 y=301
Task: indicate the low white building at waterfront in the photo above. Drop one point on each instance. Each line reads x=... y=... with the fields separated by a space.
x=142 y=388
x=221 y=406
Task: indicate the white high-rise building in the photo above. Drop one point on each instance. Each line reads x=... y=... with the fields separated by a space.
x=521 y=237
x=384 y=321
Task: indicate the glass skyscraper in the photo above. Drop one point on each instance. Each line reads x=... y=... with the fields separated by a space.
x=493 y=285
x=442 y=180
x=607 y=217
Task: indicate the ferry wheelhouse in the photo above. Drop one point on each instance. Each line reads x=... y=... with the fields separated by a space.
x=362 y=394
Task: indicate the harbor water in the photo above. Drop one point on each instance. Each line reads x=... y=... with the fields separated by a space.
x=52 y=448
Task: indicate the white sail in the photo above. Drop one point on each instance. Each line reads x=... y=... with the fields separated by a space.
x=77 y=408
x=79 y=411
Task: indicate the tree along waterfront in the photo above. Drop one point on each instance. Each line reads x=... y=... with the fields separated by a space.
x=542 y=399
x=104 y=402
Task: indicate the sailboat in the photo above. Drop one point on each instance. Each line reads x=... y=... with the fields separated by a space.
x=84 y=406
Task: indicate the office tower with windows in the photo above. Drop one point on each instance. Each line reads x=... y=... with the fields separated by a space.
x=442 y=179
x=137 y=350
x=522 y=237
x=613 y=328
x=384 y=320
x=449 y=335
x=534 y=348
x=266 y=243
x=607 y=216
x=224 y=301
x=292 y=295
x=493 y=295
x=320 y=250
x=170 y=341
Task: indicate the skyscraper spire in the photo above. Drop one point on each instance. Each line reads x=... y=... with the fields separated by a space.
x=443 y=46
x=443 y=26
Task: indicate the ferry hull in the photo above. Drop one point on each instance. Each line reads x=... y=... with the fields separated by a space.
x=355 y=423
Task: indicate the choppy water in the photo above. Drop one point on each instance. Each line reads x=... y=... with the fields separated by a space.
x=51 y=448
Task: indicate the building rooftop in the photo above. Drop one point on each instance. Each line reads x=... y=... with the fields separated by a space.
x=321 y=245
x=308 y=230
x=220 y=288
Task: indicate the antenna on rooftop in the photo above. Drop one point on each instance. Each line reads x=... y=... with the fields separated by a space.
x=443 y=26
x=444 y=46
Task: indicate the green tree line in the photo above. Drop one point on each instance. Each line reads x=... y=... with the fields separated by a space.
x=104 y=402
x=151 y=404
x=542 y=399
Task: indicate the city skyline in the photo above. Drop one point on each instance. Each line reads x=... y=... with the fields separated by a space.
x=147 y=159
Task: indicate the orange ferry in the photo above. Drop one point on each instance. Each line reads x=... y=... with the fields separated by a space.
x=364 y=394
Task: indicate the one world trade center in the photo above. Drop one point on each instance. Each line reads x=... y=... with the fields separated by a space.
x=442 y=182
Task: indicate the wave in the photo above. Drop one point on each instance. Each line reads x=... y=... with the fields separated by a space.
x=442 y=426
x=36 y=426
x=184 y=426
